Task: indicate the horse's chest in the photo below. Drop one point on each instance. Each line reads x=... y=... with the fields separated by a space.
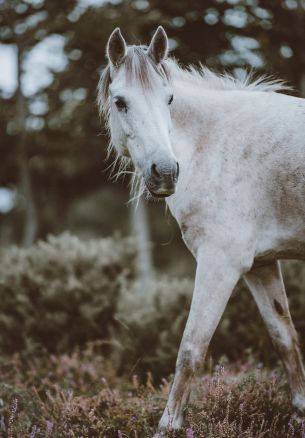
x=190 y=218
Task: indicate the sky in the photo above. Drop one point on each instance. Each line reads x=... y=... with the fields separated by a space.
x=8 y=72
x=45 y=55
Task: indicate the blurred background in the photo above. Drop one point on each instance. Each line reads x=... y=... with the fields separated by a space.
x=54 y=176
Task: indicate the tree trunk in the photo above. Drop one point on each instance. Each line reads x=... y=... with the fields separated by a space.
x=141 y=232
x=30 y=213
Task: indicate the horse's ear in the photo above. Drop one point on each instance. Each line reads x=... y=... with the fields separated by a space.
x=116 y=48
x=158 y=47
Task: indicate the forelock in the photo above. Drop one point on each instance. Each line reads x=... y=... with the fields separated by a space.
x=140 y=68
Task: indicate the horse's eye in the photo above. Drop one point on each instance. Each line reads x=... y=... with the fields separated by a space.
x=170 y=99
x=121 y=104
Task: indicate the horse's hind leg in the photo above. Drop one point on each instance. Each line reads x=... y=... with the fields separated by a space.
x=267 y=287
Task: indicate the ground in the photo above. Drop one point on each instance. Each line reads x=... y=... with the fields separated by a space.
x=79 y=395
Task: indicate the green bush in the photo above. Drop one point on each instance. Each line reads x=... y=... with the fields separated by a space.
x=62 y=292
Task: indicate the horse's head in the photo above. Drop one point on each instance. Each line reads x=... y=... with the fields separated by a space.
x=136 y=91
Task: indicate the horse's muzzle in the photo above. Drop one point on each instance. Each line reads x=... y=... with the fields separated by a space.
x=162 y=179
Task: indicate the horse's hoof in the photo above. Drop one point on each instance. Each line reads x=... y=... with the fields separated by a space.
x=168 y=424
x=161 y=434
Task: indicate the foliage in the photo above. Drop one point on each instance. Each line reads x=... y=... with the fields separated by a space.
x=77 y=394
x=246 y=404
x=152 y=326
x=62 y=292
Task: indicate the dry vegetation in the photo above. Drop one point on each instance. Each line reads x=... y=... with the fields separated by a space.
x=87 y=353
x=78 y=395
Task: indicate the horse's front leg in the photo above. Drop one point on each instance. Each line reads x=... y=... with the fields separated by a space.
x=215 y=280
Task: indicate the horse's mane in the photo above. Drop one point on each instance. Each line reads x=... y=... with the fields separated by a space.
x=206 y=78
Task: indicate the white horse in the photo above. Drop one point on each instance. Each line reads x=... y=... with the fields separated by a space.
x=238 y=192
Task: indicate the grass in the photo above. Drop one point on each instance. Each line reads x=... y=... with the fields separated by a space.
x=78 y=395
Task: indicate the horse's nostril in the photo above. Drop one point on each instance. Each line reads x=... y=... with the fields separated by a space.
x=178 y=170
x=154 y=170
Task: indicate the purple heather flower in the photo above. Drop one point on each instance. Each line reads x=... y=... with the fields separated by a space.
x=190 y=433
x=49 y=428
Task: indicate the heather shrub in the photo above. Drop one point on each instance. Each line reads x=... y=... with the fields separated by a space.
x=62 y=292
x=249 y=403
x=242 y=334
x=152 y=323
x=79 y=395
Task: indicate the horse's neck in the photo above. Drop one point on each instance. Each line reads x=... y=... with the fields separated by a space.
x=203 y=116
x=196 y=113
